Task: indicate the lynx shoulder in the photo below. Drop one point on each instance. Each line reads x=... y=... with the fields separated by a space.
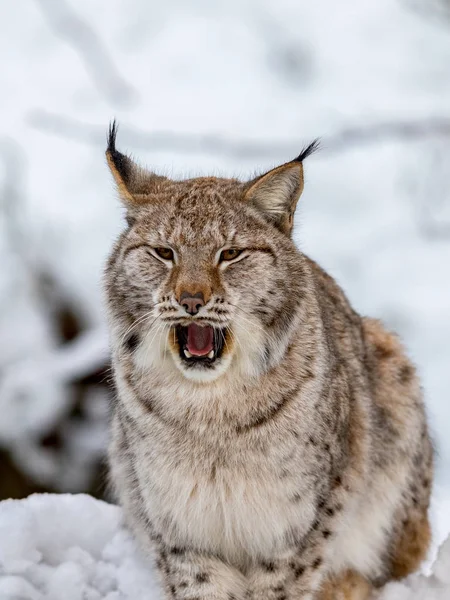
x=267 y=441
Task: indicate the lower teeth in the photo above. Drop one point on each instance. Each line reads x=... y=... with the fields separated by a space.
x=189 y=355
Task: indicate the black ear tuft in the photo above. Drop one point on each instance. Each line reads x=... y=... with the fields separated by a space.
x=312 y=147
x=112 y=134
x=119 y=160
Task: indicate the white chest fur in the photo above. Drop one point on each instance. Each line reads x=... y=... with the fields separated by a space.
x=364 y=535
x=235 y=507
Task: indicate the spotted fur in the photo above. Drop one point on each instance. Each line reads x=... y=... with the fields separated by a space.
x=299 y=464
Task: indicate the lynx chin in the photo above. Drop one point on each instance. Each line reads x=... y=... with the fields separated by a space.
x=267 y=442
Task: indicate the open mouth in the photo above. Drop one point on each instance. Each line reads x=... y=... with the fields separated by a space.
x=200 y=345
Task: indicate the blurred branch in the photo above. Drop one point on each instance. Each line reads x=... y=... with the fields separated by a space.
x=431 y=228
x=288 y=57
x=12 y=194
x=429 y=188
x=168 y=141
x=439 y=10
x=100 y=66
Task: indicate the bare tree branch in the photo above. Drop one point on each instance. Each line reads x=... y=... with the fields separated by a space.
x=101 y=68
x=169 y=141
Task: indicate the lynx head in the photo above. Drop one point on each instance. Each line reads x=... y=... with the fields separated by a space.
x=206 y=279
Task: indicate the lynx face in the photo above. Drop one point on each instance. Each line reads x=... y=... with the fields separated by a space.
x=204 y=278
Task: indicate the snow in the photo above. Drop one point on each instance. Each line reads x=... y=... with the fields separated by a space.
x=71 y=547
x=75 y=547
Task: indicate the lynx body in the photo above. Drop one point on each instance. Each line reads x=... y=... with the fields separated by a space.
x=267 y=441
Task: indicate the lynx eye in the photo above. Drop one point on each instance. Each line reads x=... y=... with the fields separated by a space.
x=229 y=254
x=164 y=253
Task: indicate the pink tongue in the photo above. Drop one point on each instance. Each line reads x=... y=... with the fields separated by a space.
x=199 y=340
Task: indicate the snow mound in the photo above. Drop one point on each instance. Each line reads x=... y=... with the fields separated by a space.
x=73 y=547
x=64 y=547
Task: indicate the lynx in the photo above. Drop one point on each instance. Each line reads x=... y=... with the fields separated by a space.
x=267 y=442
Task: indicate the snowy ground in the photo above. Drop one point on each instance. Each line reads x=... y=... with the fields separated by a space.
x=55 y=547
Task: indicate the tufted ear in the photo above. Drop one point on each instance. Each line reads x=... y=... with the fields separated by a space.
x=276 y=193
x=135 y=184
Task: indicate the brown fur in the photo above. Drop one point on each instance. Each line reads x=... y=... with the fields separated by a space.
x=298 y=452
x=347 y=586
x=410 y=546
x=411 y=537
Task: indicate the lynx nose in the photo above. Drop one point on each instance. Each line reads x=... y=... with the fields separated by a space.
x=192 y=302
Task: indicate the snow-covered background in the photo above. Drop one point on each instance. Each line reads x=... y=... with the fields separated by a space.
x=211 y=87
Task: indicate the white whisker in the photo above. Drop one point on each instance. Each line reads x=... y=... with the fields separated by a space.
x=133 y=325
